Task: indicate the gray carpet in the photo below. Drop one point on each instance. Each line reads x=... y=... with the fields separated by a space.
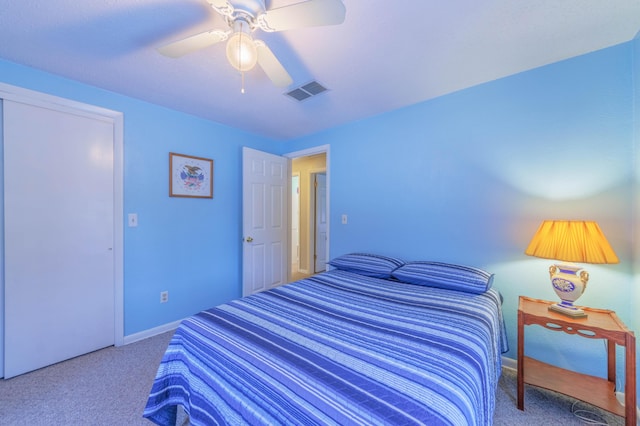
x=110 y=387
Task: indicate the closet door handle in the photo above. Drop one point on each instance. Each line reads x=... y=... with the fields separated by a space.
x=249 y=239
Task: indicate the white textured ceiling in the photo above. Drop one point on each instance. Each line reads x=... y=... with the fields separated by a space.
x=386 y=55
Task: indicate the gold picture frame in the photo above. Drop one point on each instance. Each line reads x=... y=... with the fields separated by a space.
x=190 y=177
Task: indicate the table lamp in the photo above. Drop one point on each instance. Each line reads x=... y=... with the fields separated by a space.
x=570 y=241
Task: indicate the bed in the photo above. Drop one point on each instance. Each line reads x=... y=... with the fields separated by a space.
x=344 y=347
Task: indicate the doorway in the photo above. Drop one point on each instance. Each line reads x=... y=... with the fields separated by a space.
x=309 y=214
x=292 y=270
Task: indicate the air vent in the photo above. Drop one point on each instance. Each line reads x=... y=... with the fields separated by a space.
x=299 y=94
x=306 y=91
x=314 y=88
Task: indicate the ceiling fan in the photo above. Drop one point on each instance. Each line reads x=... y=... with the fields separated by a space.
x=243 y=17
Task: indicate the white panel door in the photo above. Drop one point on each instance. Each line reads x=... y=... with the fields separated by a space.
x=59 y=239
x=295 y=223
x=320 y=222
x=265 y=220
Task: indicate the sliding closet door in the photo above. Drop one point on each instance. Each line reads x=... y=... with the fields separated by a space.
x=59 y=261
x=1 y=251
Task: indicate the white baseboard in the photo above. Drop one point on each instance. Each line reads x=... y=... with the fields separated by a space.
x=151 y=332
x=509 y=363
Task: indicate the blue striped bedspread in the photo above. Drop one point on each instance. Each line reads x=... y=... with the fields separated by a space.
x=336 y=349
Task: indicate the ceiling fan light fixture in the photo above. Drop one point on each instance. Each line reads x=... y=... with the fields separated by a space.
x=243 y=17
x=241 y=49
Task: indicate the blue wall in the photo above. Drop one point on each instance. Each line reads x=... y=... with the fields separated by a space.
x=464 y=178
x=468 y=177
x=634 y=298
x=636 y=218
x=189 y=247
x=636 y=159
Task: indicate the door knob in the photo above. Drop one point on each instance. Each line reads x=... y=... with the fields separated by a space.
x=249 y=239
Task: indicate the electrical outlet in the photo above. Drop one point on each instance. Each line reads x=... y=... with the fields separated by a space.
x=164 y=296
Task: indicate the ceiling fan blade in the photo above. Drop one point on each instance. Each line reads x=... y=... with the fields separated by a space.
x=271 y=66
x=310 y=13
x=222 y=6
x=192 y=43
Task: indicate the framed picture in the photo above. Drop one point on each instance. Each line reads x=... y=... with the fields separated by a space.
x=190 y=176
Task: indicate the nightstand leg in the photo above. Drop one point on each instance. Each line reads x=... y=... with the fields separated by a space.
x=630 y=380
x=611 y=361
x=520 y=361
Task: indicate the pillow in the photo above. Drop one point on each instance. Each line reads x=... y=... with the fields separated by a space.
x=371 y=265
x=445 y=275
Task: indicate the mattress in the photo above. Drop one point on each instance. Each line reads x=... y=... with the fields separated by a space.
x=338 y=348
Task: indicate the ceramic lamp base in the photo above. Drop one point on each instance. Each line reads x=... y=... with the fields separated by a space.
x=571 y=311
x=569 y=282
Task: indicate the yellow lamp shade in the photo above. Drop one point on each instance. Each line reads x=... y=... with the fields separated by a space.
x=571 y=241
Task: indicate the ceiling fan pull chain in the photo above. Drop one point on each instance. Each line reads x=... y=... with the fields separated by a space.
x=240 y=61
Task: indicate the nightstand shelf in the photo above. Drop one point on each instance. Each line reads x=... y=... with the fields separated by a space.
x=599 y=324
x=593 y=390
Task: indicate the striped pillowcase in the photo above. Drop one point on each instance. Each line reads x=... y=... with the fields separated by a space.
x=445 y=275
x=371 y=265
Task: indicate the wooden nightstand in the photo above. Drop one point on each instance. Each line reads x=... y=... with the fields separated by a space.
x=599 y=324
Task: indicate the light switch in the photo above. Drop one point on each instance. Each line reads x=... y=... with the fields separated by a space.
x=344 y=219
x=133 y=220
